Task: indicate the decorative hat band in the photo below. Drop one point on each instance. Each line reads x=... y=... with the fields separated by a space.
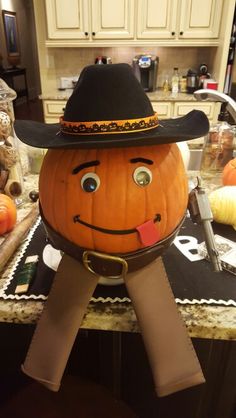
x=109 y=126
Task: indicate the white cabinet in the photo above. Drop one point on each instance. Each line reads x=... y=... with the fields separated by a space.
x=200 y=18
x=133 y=22
x=173 y=109
x=67 y=21
x=182 y=108
x=163 y=109
x=112 y=19
x=53 y=109
x=156 y=19
x=178 y=19
x=90 y=19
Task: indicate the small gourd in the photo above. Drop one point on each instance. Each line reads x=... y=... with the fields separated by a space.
x=229 y=173
x=223 y=205
x=7 y=214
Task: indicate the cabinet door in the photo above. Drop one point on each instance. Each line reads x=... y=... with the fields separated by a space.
x=156 y=19
x=53 y=109
x=182 y=108
x=67 y=20
x=163 y=109
x=200 y=18
x=112 y=19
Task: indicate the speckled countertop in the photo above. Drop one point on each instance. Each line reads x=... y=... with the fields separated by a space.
x=202 y=321
x=156 y=96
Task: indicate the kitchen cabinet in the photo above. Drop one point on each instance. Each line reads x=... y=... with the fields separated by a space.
x=178 y=19
x=90 y=20
x=67 y=22
x=182 y=108
x=112 y=19
x=200 y=19
x=156 y=19
x=132 y=22
x=173 y=109
x=53 y=109
x=163 y=109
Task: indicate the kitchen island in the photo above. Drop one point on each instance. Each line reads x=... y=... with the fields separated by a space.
x=202 y=320
x=112 y=330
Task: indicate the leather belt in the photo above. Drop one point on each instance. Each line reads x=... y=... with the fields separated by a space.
x=109 y=265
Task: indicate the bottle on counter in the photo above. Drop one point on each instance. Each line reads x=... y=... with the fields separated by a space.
x=175 y=81
x=192 y=81
x=166 y=85
x=183 y=84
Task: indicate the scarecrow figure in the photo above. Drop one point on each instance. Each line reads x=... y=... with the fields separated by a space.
x=113 y=195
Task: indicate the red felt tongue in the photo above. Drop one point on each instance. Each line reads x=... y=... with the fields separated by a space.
x=148 y=233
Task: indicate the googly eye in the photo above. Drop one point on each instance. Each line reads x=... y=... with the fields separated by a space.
x=142 y=176
x=90 y=182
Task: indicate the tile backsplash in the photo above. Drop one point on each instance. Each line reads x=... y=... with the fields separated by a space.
x=70 y=61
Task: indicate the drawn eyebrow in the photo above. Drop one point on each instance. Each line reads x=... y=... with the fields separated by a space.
x=85 y=165
x=141 y=160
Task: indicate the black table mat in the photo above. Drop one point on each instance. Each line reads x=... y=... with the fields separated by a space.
x=191 y=282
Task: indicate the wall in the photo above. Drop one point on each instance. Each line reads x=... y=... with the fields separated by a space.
x=71 y=61
x=27 y=40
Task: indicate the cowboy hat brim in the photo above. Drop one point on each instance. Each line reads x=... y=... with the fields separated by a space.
x=40 y=135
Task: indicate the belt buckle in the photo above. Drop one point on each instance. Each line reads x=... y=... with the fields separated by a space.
x=87 y=263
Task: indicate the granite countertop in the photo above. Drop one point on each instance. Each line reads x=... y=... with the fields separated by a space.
x=202 y=321
x=156 y=96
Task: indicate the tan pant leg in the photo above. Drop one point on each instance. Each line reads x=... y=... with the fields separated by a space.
x=59 y=323
x=172 y=357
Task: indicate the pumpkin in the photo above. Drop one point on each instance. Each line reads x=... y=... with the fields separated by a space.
x=229 y=173
x=101 y=199
x=223 y=205
x=7 y=214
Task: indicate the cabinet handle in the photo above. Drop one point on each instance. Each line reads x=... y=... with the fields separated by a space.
x=93 y=33
x=181 y=33
x=86 y=33
x=172 y=33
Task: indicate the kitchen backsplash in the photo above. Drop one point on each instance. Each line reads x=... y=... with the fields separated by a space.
x=70 y=61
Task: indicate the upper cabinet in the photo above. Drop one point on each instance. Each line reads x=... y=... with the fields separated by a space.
x=90 y=20
x=67 y=22
x=156 y=19
x=133 y=22
x=178 y=19
x=112 y=19
x=200 y=19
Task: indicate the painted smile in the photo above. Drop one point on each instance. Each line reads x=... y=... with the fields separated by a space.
x=77 y=219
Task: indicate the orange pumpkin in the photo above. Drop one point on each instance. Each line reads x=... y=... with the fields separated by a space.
x=7 y=214
x=229 y=173
x=87 y=194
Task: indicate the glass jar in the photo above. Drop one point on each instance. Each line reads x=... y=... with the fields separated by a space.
x=11 y=179
x=218 y=149
x=36 y=156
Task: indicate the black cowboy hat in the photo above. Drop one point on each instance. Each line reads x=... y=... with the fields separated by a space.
x=109 y=108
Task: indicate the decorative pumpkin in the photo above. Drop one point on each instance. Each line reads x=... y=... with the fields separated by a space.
x=110 y=200
x=7 y=214
x=229 y=173
x=223 y=205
